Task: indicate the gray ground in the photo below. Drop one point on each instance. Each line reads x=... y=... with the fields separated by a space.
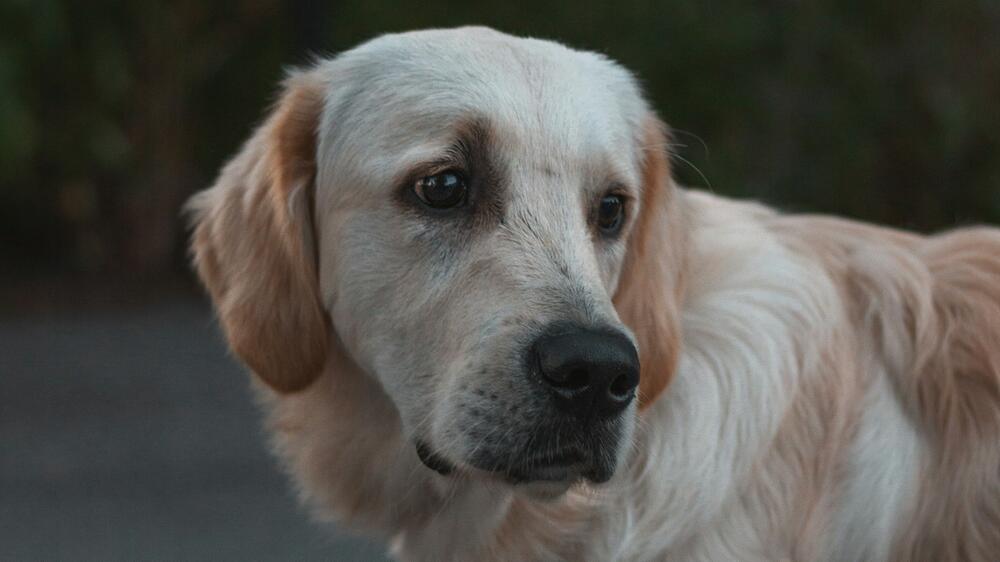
x=131 y=435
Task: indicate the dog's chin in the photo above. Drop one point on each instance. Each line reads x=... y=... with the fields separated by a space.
x=547 y=483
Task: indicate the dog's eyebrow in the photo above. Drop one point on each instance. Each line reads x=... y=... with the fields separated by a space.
x=468 y=140
x=468 y=144
x=474 y=132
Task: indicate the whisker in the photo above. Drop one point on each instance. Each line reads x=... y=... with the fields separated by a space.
x=693 y=167
x=704 y=145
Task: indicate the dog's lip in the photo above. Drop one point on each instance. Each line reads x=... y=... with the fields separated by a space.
x=559 y=473
x=432 y=460
x=568 y=456
x=561 y=467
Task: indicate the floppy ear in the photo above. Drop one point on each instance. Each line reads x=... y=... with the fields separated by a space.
x=648 y=293
x=253 y=246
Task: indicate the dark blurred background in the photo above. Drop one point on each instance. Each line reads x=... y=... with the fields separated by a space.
x=126 y=433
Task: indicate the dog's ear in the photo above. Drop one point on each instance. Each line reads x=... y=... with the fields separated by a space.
x=648 y=292
x=253 y=246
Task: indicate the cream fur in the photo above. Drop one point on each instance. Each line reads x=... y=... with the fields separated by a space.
x=813 y=389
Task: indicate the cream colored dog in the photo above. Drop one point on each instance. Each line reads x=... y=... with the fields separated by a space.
x=446 y=255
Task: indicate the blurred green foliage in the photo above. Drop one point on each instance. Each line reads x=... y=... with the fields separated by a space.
x=111 y=113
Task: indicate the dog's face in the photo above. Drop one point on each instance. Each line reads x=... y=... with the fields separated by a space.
x=475 y=196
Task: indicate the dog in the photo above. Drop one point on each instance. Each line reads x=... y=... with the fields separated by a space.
x=487 y=324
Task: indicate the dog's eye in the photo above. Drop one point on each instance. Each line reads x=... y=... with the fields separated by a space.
x=610 y=213
x=441 y=191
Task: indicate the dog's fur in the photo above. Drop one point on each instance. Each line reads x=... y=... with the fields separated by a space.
x=811 y=388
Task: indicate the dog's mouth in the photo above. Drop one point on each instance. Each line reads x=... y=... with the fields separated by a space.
x=559 y=466
x=566 y=466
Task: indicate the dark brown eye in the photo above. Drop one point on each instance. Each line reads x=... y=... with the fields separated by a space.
x=610 y=213
x=441 y=191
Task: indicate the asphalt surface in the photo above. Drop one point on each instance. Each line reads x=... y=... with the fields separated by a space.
x=131 y=435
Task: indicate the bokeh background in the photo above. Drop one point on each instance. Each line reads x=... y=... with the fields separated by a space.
x=125 y=431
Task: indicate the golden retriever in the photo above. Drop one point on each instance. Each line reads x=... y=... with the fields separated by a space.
x=489 y=326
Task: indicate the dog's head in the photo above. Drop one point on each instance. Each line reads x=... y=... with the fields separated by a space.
x=482 y=223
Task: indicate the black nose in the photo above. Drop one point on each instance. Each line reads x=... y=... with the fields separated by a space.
x=589 y=373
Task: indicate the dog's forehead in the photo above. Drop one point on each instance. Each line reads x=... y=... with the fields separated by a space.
x=402 y=96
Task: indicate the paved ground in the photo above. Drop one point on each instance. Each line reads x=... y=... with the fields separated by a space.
x=130 y=435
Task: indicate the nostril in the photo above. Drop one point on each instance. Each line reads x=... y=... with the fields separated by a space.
x=621 y=388
x=571 y=379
